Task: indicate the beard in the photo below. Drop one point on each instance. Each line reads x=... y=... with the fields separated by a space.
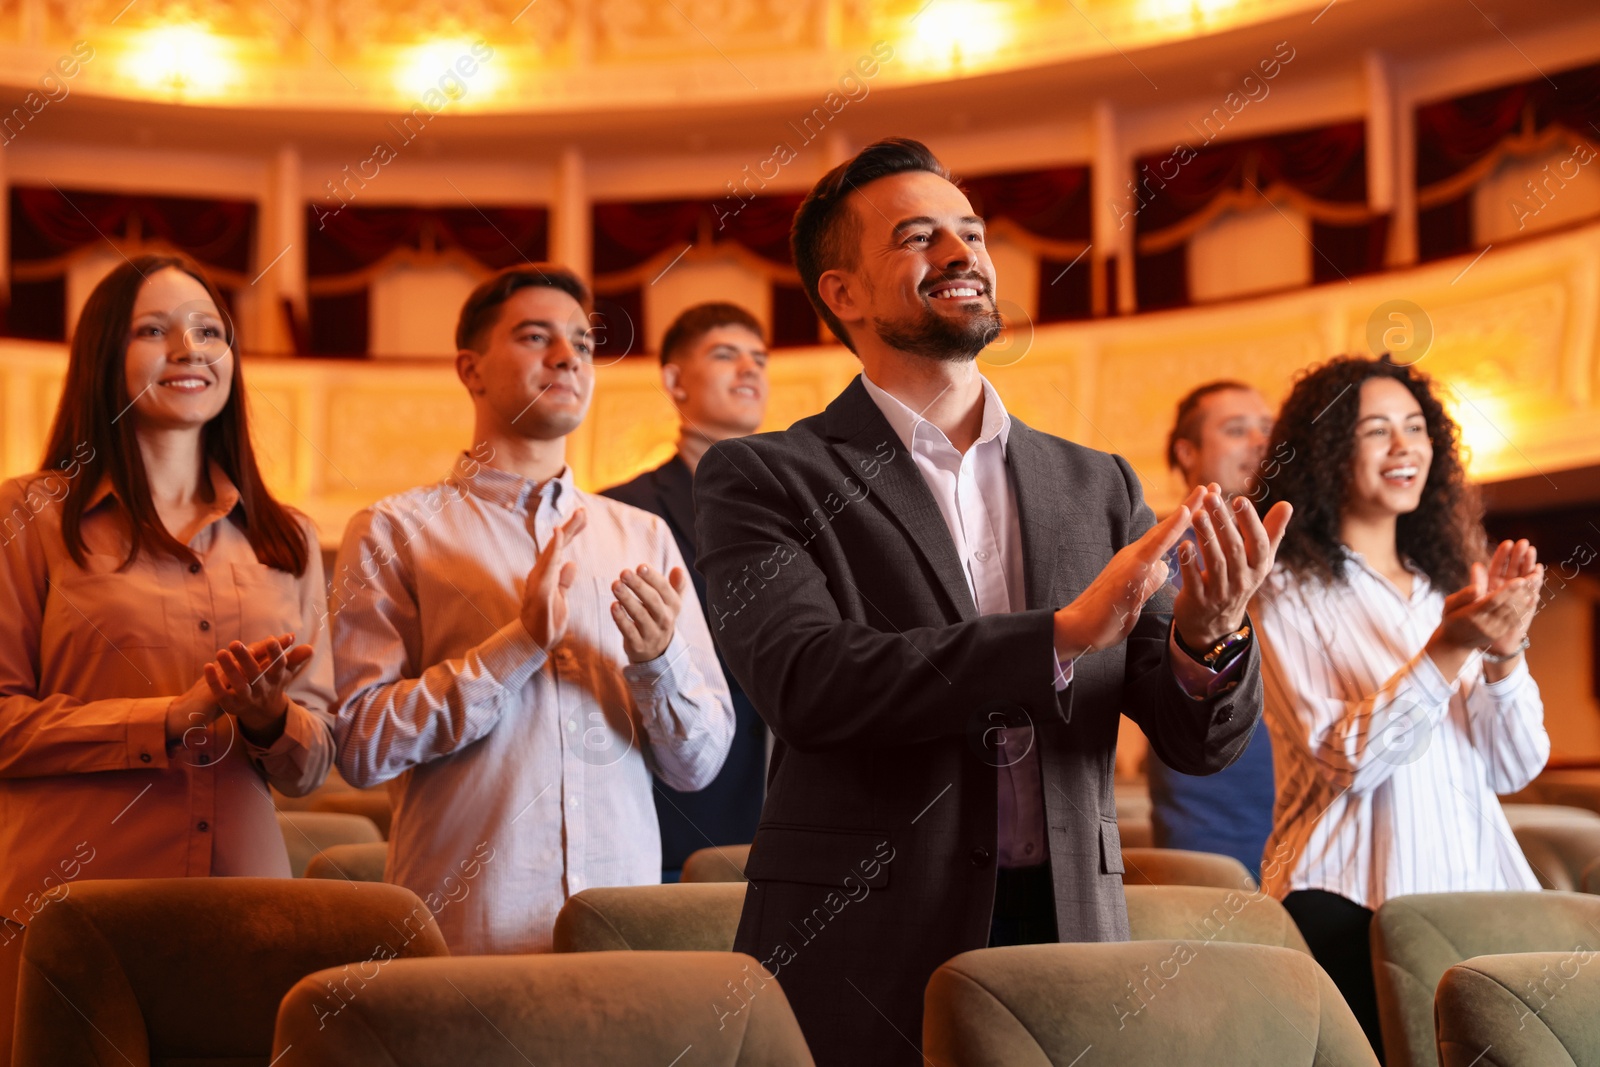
x=928 y=334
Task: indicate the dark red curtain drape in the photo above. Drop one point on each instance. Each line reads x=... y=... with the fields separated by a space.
x=342 y=248
x=1454 y=135
x=1325 y=166
x=628 y=234
x=1053 y=205
x=48 y=224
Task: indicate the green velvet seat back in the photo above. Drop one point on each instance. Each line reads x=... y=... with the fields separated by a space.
x=1525 y=1009
x=1176 y=866
x=725 y=863
x=1415 y=939
x=306 y=833
x=188 y=972
x=1206 y=913
x=593 y=1009
x=1139 y=1004
x=682 y=917
x=358 y=863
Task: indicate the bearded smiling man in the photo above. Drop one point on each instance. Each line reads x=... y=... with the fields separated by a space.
x=943 y=659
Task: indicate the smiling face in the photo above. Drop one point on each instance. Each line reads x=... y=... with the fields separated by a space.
x=1393 y=452
x=534 y=374
x=1234 y=428
x=719 y=383
x=922 y=281
x=178 y=369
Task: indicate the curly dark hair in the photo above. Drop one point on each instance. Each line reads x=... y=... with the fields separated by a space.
x=1314 y=441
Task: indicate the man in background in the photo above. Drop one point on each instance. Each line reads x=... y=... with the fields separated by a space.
x=515 y=656
x=714 y=369
x=1219 y=435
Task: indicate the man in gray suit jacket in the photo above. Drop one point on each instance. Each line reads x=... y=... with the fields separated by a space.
x=940 y=613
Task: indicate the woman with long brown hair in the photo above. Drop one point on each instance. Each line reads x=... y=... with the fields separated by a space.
x=152 y=594
x=1392 y=642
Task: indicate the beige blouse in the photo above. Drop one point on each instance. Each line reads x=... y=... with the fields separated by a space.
x=90 y=658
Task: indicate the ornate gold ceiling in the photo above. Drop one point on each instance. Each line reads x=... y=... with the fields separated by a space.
x=556 y=54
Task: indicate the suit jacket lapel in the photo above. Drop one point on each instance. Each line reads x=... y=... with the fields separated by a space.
x=863 y=437
x=1043 y=507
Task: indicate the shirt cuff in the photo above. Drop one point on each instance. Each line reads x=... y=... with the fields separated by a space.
x=1430 y=680
x=1198 y=681
x=1506 y=689
x=299 y=731
x=510 y=655
x=1063 y=673
x=147 y=733
x=650 y=677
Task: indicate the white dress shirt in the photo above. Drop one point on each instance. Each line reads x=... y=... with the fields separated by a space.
x=979 y=505
x=518 y=777
x=1387 y=772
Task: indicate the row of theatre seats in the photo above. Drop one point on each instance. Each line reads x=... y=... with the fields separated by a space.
x=339 y=968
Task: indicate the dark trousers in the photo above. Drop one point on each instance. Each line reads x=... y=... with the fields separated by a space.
x=1024 y=907
x=1335 y=929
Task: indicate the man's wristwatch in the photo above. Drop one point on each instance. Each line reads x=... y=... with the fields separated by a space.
x=1220 y=654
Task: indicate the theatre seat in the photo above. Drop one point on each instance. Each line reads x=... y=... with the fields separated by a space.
x=596 y=1009
x=1559 y=842
x=306 y=833
x=1524 y=1009
x=674 y=918
x=1139 y=1004
x=373 y=803
x=1415 y=939
x=1176 y=866
x=725 y=863
x=357 y=863
x=190 y=970
x=1202 y=914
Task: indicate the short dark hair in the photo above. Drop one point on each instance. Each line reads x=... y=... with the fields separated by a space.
x=1186 y=423
x=694 y=323
x=482 y=306
x=824 y=236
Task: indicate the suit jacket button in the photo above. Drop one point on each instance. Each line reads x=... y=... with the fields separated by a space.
x=981 y=856
x=1224 y=714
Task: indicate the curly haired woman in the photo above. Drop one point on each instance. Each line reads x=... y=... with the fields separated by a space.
x=1397 y=696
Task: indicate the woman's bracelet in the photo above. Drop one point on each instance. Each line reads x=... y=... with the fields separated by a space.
x=1490 y=657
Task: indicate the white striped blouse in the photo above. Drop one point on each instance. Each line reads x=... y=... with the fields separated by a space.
x=1387 y=772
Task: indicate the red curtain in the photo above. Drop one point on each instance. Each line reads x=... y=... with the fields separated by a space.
x=1052 y=205
x=1325 y=167
x=1454 y=135
x=48 y=224
x=629 y=234
x=343 y=247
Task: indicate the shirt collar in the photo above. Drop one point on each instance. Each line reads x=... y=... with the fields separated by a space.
x=512 y=491
x=906 y=423
x=227 y=494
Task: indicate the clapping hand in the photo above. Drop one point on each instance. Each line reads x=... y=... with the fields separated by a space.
x=1491 y=612
x=646 y=610
x=251 y=683
x=1231 y=556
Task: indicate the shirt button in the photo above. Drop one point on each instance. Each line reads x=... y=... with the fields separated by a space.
x=194 y=568
x=982 y=556
x=203 y=826
x=1027 y=850
x=572 y=725
x=206 y=758
x=144 y=757
x=572 y=802
x=204 y=625
x=981 y=856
